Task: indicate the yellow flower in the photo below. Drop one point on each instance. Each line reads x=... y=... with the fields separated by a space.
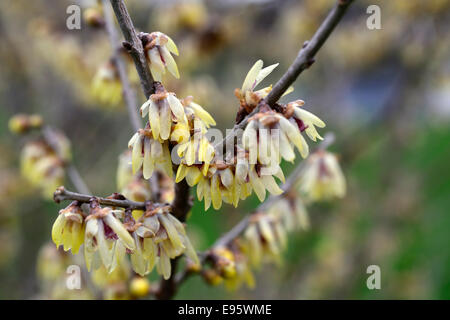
x=212 y=277
x=106 y=86
x=305 y=120
x=61 y=145
x=102 y=277
x=42 y=167
x=231 y=183
x=197 y=150
x=198 y=111
x=243 y=273
x=265 y=238
x=68 y=229
x=124 y=173
x=322 y=177
x=247 y=96
x=139 y=287
x=159 y=47
x=149 y=154
x=93 y=17
x=51 y=263
x=160 y=237
x=256 y=74
x=22 y=123
x=163 y=109
x=269 y=136
x=223 y=260
x=193 y=146
x=106 y=238
x=137 y=189
x=292 y=212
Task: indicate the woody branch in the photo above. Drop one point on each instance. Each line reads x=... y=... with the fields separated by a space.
x=181 y=204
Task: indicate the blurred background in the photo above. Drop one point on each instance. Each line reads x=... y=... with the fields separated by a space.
x=385 y=93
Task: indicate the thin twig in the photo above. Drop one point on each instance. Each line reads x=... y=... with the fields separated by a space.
x=61 y=194
x=76 y=179
x=305 y=57
x=74 y=175
x=128 y=93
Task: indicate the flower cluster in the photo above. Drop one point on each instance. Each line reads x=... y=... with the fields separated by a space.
x=265 y=236
x=269 y=137
x=263 y=240
x=109 y=235
x=248 y=97
x=43 y=159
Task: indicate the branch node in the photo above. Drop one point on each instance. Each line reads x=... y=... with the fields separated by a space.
x=58 y=194
x=127 y=46
x=310 y=62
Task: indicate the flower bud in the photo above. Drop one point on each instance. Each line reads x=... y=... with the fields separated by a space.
x=22 y=123
x=139 y=287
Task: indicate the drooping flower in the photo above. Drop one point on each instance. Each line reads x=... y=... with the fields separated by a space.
x=149 y=153
x=265 y=238
x=223 y=261
x=158 y=48
x=124 y=173
x=270 y=136
x=68 y=228
x=197 y=149
x=197 y=111
x=305 y=120
x=136 y=188
x=106 y=86
x=118 y=276
x=322 y=177
x=106 y=238
x=160 y=237
x=243 y=273
x=291 y=211
x=51 y=263
x=164 y=110
x=42 y=167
